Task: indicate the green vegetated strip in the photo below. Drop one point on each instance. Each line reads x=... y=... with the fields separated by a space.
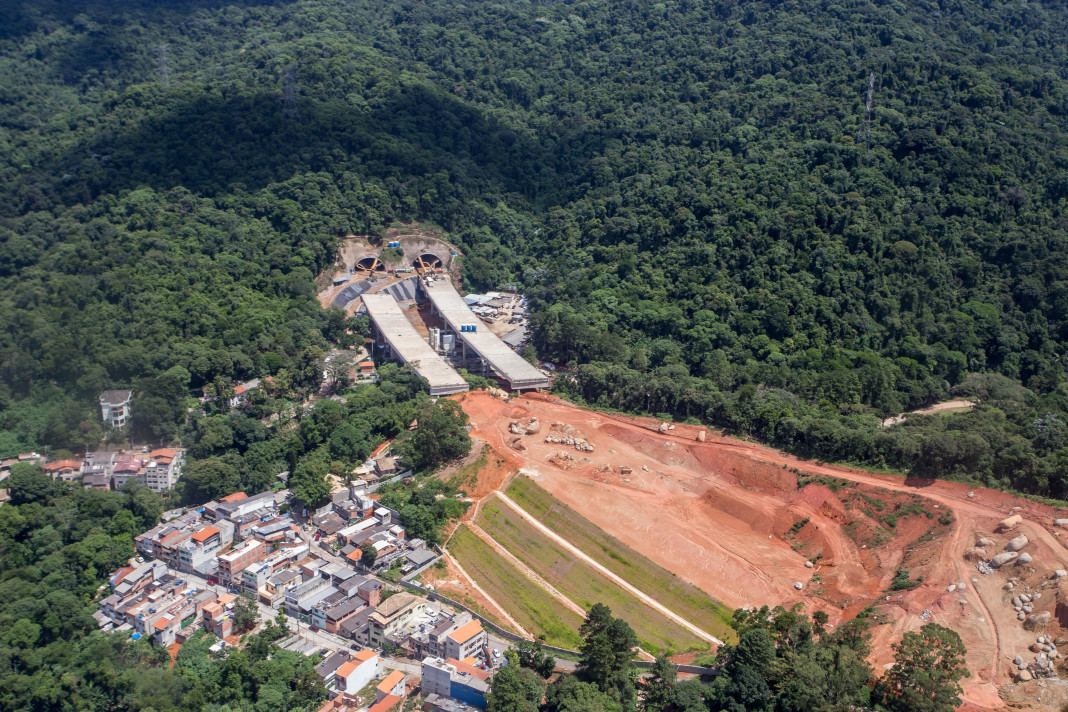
x=530 y=605
x=673 y=592
x=581 y=582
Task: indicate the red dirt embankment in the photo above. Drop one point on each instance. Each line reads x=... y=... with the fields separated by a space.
x=730 y=517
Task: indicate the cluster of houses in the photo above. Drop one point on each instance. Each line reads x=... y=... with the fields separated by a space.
x=153 y=602
x=453 y=677
x=190 y=570
x=352 y=519
x=158 y=469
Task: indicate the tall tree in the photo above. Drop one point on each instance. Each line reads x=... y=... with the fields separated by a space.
x=656 y=693
x=607 y=651
x=928 y=668
x=514 y=688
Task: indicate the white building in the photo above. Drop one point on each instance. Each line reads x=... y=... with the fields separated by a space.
x=115 y=407
x=354 y=675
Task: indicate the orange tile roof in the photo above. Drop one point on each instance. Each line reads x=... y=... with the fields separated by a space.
x=469 y=669
x=161 y=623
x=163 y=452
x=205 y=534
x=388 y=702
x=227 y=598
x=365 y=655
x=467 y=631
x=235 y=497
x=470 y=660
x=346 y=669
x=62 y=465
x=390 y=682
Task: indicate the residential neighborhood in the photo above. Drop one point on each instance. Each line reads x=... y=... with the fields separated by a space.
x=193 y=569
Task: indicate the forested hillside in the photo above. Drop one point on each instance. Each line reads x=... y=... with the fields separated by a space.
x=790 y=219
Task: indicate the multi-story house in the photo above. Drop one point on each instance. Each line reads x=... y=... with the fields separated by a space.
x=115 y=407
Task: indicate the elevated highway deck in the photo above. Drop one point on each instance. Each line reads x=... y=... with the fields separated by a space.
x=404 y=341
x=498 y=355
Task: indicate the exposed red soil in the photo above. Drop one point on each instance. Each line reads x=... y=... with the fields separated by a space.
x=172 y=652
x=722 y=514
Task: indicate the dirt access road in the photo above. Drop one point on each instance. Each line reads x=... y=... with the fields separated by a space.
x=718 y=514
x=943 y=407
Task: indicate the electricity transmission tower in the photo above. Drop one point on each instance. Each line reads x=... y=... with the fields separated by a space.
x=289 y=94
x=163 y=68
x=867 y=109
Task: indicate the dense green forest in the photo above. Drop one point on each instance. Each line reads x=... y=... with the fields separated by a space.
x=789 y=219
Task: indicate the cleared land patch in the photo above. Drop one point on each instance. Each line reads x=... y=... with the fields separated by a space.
x=680 y=597
x=580 y=582
x=528 y=603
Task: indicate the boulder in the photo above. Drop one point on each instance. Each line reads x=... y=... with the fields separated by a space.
x=1023 y=676
x=1060 y=522
x=1016 y=544
x=701 y=436
x=1038 y=621
x=1003 y=558
x=798 y=585
x=1009 y=522
x=1024 y=558
x=1016 y=601
x=1017 y=660
x=961 y=586
x=808 y=564
x=974 y=554
x=983 y=541
x=1020 y=616
x=951 y=588
x=1060 y=573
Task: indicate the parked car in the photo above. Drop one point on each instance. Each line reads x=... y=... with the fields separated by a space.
x=211 y=582
x=313 y=628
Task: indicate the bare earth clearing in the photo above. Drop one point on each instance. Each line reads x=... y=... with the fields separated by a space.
x=730 y=517
x=943 y=407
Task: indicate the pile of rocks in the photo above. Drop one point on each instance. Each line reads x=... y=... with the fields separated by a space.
x=1043 y=665
x=984 y=568
x=579 y=444
x=1024 y=604
x=531 y=427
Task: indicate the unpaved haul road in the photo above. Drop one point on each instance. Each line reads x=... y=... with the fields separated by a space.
x=611 y=576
